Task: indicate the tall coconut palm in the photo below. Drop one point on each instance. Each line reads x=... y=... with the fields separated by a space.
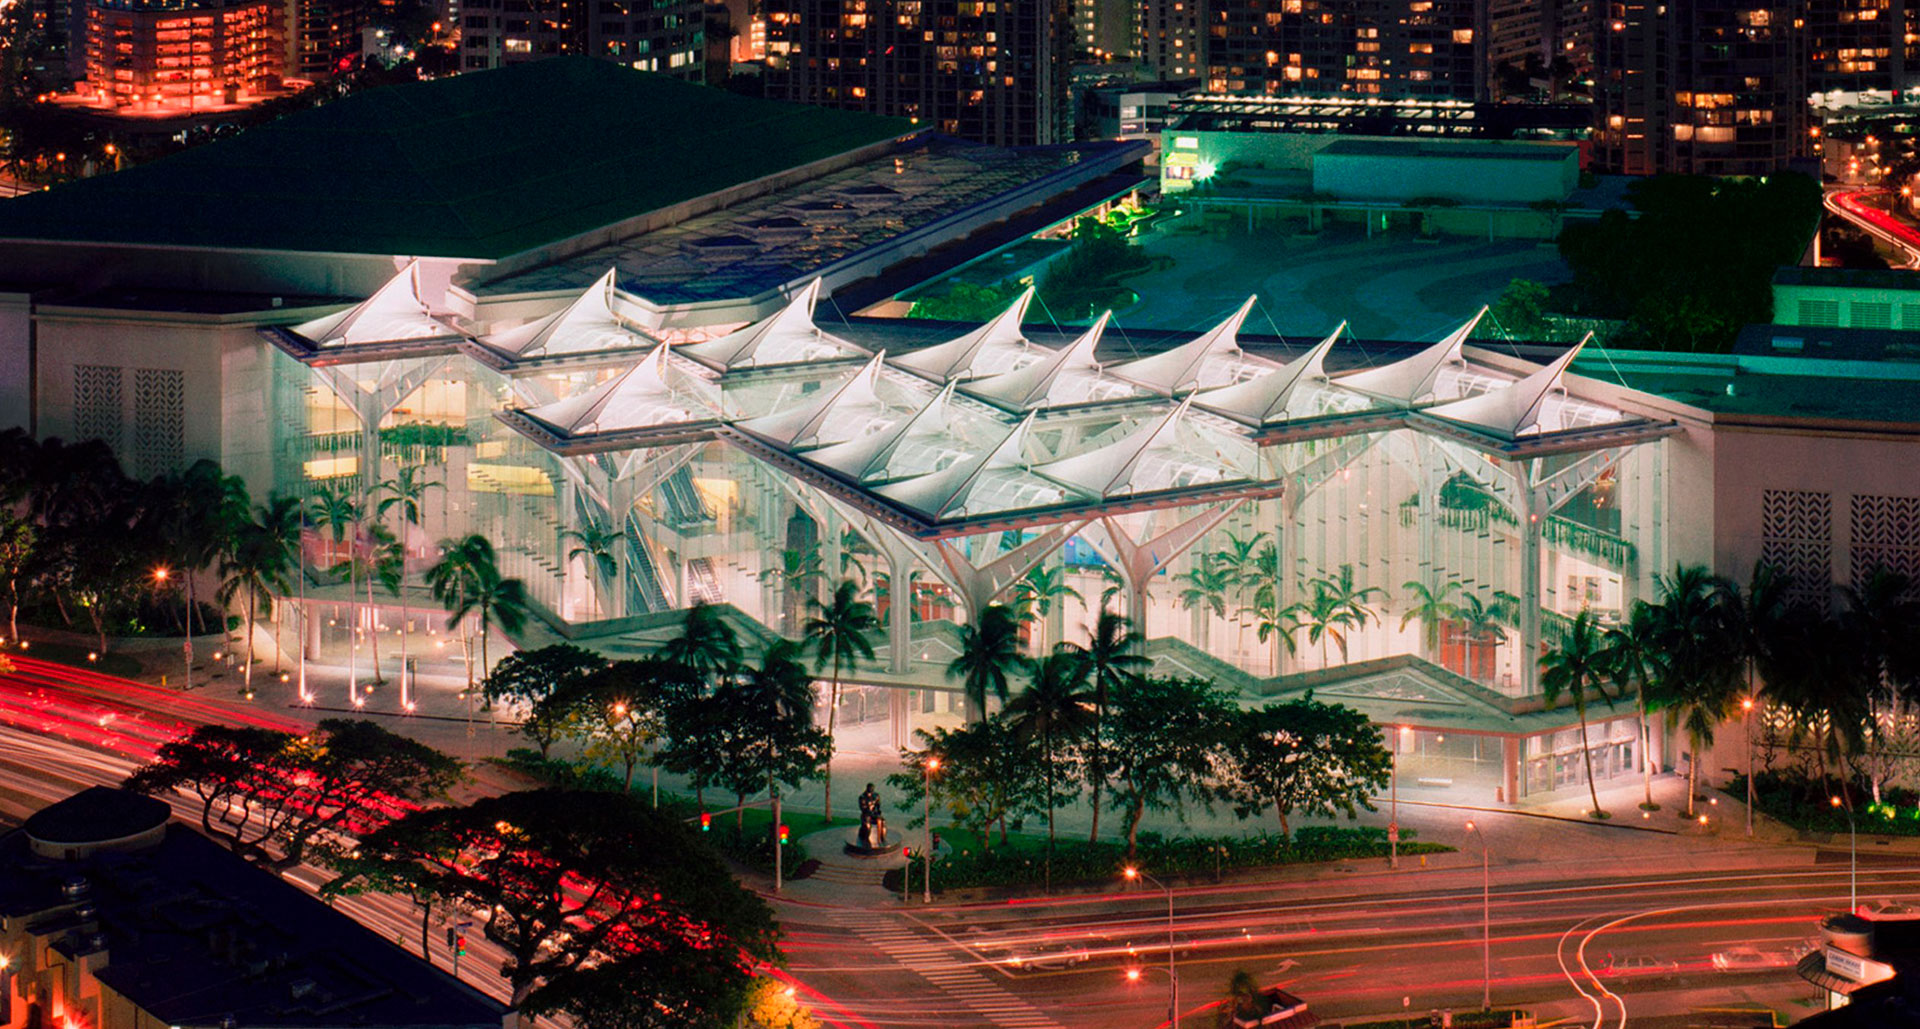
x=256 y=562
x=1242 y=1000
x=1632 y=658
x=1433 y=608
x=1112 y=654
x=1055 y=710
x=989 y=651
x=1203 y=590
x=707 y=644
x=1035 y=596
x=1483 y=624
x=376 y=564
x=1237 y=561
x=838 y=632
x=1335 y=609
x=467 y=581
x=406 y=493
x=1572 y=669
x=799 y=573
x=597 y=547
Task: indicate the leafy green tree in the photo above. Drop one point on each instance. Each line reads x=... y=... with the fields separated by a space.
x=766 y=736
x=989 y=652
x=622 y=708
x=966 y=302
x=1242 y=999
x=1303 y=756
x=1577 y=665
x=1166 y=737
x=610 y=913
x=838 y=632
x=1055 y=712
x=986 y=772
x=771 y=1005
x=1112 y=654
x=278 y=799
x=18 y=538
x=1522 y=310
x=532 y=679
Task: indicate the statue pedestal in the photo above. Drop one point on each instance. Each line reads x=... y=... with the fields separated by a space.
x=854 y=849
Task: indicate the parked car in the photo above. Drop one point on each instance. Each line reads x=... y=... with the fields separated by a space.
x=1639 y=966
x=1753 y=959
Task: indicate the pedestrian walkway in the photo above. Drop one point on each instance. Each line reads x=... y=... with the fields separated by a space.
x=933 y=960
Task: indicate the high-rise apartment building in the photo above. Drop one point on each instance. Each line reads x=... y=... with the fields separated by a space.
x=1712 y=87
x=994 y=71
x=1390 y=48
x=1173 y=37
x=665 y=36
x=1107 y=28
x=1863 y=44
x=323 y=36
x=168 y=56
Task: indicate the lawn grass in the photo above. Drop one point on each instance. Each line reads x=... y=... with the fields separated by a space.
x=71 y=654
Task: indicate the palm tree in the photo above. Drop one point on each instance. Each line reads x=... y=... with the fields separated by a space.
x=1203 y=588
x=989 y=649
x=597 y=547
x=1055 y=709
x=707 y=644
x=1238 y=563
x=405 y=492
x=1112 y=654
x=375 y=563
x=1433 y=608
x=1577 y=665
x=1035 y=593
x=799 y=569
x=1335 y=608
x=256 y=562
x=1632 y=660
x=838 y=631
x=1698 y=629
x=467 y=580
x=1482 y=624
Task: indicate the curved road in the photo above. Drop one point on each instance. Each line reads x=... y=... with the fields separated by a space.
x=1850 y=204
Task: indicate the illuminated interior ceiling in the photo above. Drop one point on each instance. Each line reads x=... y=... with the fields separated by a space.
x=934 y=447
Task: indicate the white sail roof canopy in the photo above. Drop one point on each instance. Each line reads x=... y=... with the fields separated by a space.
x=990 y=349
x=1069 y=375
x=922 y=442
x=645 y=395
x=394 y=313
x=996 y=479
x=587 y=325
x=788 y=336
x=1410 y=380
x=1534 y=404
x=1206 y=360
x=1268 y=397
x=846 y=412
x=1159 y=454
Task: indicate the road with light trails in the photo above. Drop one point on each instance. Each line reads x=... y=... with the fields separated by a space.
x=1352 y=941
x=1376 y=944
x=1852 y=205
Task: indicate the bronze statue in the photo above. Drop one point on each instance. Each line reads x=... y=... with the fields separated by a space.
x=873 y=825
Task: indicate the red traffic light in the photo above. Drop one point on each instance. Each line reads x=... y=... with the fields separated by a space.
x=906 y=852
x=783 y=834
x=706 y=821
x=460 y=944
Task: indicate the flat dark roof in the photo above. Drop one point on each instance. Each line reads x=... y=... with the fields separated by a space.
x=1848 y=278
x=194 y=935
x=482 y=165
x=1473 y=150
x=98 y=815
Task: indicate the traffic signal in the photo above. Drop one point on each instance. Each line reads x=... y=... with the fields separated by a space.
x=706 y=821
x=783 y=834
x=460 y=945
x=906 y=852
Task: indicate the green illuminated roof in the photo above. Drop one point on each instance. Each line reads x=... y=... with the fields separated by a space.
x=481 y=165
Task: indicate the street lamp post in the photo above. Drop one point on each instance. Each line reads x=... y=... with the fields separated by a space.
x=926 y=879
x=1173 y=976
x=1746 y=721
x=1853 y=858
x=186 y=645
x=1486 y=918
x=1393 y=818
